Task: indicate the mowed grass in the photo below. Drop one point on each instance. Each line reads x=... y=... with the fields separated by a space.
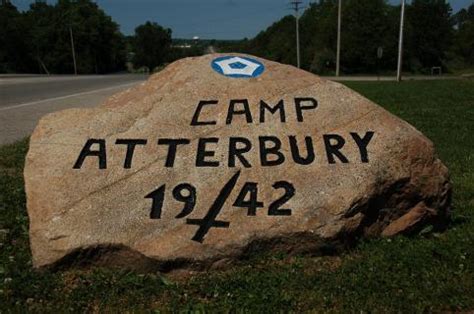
x=429 y=272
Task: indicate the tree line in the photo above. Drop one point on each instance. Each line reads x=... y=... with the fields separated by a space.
x=434 y=36
x=40 y=40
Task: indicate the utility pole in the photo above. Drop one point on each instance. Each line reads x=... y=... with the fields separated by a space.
x=338 y=54
x=296 y=8
x=400 y=43
x=73 y=51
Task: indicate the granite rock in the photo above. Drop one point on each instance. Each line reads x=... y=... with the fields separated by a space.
x=196 y=167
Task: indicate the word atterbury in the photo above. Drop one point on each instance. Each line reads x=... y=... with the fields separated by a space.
x=239 y=148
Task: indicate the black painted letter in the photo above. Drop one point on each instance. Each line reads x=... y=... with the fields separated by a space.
x=130 y=149
x=295 y=151
x=86 y=151
x=275 y=150
x=202 y=153
x=264 y=106
x=362 y=143
x=238 y=152
x=333 y=149
x=201 y=104
x=231 y=111
x=300 y=107
x=172 y=147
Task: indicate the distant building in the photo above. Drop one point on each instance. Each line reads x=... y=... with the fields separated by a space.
x=182 y=46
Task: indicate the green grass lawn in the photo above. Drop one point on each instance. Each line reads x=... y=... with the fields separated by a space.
x=430 y=272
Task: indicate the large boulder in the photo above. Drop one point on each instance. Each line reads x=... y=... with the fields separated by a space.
x=216 y=156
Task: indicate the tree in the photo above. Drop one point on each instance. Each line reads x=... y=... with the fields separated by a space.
x=277 y=42
x=43 y=36
x=429 y=34
x=318 y=37
x=13 y=40
x=38 y=41
x=464 y=39
x=367 y=25
x=151 y=44
x=98 y=44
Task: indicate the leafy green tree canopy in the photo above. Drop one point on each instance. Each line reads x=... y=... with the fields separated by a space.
x=464 y=40
x=39 y=40
x=366 y=26
x=13 y=40
x=152 y=43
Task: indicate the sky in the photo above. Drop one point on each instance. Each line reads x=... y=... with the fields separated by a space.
x=208 y=19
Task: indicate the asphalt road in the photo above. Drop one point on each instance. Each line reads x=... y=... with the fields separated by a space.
x=25 y=99
x=20 y=90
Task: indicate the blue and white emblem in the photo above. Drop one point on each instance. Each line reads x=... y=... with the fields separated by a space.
x=233 y=66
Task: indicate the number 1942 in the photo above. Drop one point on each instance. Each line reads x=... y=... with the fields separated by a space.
x=247 y=198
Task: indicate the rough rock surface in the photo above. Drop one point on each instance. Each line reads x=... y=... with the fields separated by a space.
x=80 y=213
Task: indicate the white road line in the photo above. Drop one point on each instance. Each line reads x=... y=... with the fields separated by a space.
x=65 y=97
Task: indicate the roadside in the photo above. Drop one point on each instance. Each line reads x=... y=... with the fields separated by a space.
x=23 y=101
x=16 y=90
